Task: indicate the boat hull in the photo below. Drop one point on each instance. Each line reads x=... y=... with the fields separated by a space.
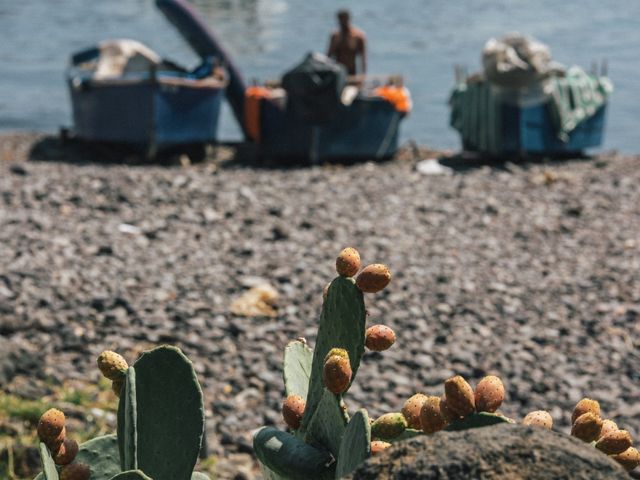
x=148 y=114
x=368 y=128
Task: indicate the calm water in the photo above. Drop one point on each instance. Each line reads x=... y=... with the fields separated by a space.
x=421 y=39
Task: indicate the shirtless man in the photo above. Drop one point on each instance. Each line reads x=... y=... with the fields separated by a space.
x=347 y=44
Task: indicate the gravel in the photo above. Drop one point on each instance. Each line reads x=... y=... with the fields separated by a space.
x=528 y=271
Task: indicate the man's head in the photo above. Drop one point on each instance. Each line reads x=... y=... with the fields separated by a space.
x=344 y=19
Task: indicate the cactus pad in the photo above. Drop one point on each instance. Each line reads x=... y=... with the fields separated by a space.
x=328 y=424
x=163 y=415
x=286 y=456
x=297 y=368
x=342 y=325
x=356 y=444
x=49 y=471
x=131 y=475
x=101 y=455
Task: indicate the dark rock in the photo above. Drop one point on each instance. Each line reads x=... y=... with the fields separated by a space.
x=504 y=452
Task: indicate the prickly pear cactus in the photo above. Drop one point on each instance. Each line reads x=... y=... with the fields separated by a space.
x=160 y=423
x=161 y=416
x=328 y=444
x=342 y=325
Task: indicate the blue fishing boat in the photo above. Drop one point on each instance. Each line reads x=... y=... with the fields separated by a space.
x=122 y=92
x=315 y=112
x=523 y=103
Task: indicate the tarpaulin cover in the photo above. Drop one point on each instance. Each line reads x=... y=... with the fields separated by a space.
x=314 y=88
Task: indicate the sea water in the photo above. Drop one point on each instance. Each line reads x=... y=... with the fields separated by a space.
x=420 y=39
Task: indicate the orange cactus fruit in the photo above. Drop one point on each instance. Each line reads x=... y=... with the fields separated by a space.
x=587 y=427
x=340 y=352
x=348 y=262
x=112 y=365
x=411 y=410
x=377 y=446
x=448 y=415
x=337 y=374
x=51 y=425
x=75 y=471
x=431 y=417
x=608 y=426
x=489 y=394
x=459 y=396
x=614 y=443
x=373 y=278
x=379 y=338
x=538 y=418
x=583 y=406
x=117 y=386
x=629 y=459
x=67 y=452
x=293 y=410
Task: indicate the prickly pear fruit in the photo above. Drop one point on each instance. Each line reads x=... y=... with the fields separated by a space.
x=608 y=426
x=75 y=471
x=66 y=453
x=51 y=425
x=614 y=443
x=583 y=406
x=337 y=374
x=411 y=410
x=538 y=418
x=587 y=427
x=377 y=446
x=348 y=262
x=55 y=444
x=112 y=365
x=117 y=386
x=459 y=395
x=388 y=426
x=292 y=411
x=489 y=394
x=379 y=338
x=629 y=459
x=446 y=412
x=373 y=278
x=340 y=352
x=431 y=418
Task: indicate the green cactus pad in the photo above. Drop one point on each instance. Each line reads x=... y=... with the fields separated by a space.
x=127 y=423
x=342 y=325
x=286 y=456
x=297 y=368
x=328 y=424
x=169 y=415
x=130 y=475
x=49 y=471
x=356 y=444
x=477 y=420
x=101 y=455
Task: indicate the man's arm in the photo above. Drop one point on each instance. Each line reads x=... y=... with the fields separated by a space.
x=363 y=53
x=331 y=51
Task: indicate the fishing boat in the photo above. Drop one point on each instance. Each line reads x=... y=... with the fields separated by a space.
x=314 y=112
x=523 y=103
x=123 y=92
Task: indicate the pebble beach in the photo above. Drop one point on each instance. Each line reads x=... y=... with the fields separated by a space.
x=525 y=270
